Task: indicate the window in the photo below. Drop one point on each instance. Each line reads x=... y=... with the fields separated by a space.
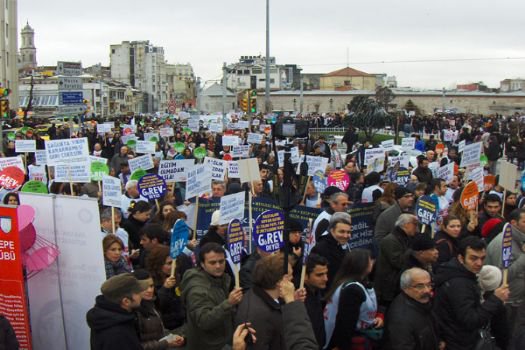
x=348 y=83
x=113 y=51
x=53 y=100
x=246 y=72
x=6 y=29
x=256 y=71
x=272 y=81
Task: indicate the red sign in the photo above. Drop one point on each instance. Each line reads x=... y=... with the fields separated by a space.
x=469 y=196
x=227 y=156
x=440 y=148
x=13 y=302
x=339 y=179
x=11 y=177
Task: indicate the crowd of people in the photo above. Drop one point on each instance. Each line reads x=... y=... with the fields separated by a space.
x=415 y=286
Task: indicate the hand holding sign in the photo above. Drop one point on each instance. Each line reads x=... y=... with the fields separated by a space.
x=235 y=239
x=426 y=211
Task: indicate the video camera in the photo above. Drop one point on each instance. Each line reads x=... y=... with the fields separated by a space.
x=288 y=127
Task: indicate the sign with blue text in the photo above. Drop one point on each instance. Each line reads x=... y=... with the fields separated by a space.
x=268 y=231
x=179 y=238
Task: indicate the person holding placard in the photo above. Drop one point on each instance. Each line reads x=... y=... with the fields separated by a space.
x=139 y=214
x=209 y=303
x=422 y=172
x=516 y=267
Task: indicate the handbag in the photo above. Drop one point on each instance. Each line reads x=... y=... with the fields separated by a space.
x=486 y=340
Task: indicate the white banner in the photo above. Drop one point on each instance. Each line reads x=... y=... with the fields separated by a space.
x=215 y=127
x=175 y=170
x=232 y=207
x=314 y=164
x=508 y=175
x=230 y=140
x=241 y=151
x=477 y=175
x=404 y=161
x=73 y=172
x=12 y=161
x=25 y=146
x=408 y=143
x=66 y=151
x=93 y=159
x=111 y=191
x=446 y=172
x=471 y=154
x=461 y=145
x=249 y=170
x=243 y=124
x=255 y=138
x=233 y=170
x=37 y=173
x=145 y=147
x=104 y=128
x=199 y=181
x=40 y=157
x=148 y=136
x=166 y=132
x=143 y=162
x=193 y=125
x=218 y=168
x=60 y=295
x=388 y=145
x=371 y=153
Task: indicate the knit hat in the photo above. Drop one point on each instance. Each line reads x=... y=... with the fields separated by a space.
x=489 y=278
x=401 y=191
x=215 y=218
x=422 y=242
x=330 y=190
x=122 y=285
x=489 y=225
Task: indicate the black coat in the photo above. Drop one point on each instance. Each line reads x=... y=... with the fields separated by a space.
x=446 y=246
x=314 y=307
x=329 y=248
x=8 y=339
x=409 y=325
x=458 y=309
x=112 y=327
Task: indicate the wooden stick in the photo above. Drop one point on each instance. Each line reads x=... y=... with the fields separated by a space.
x=99 y=186
x=303 y=275
x=237 y=278
x=173 y=188
x=304 y=196
x=71 y=188
x=250 y=222
x=432 y=233
x=173 y=266
x=157 y=204
x=504 y=199
x=423 y=228
x=195 y=218
x=505 y=277
x=113 y=226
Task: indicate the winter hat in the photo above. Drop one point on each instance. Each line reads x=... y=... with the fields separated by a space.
x=401 y=191
x=330 y=190
x=422 y=242
x=215 y=218
x=489 y=225
x=489 y=278
x=117 y=287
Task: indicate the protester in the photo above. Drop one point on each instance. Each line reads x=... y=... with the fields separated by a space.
x=112 y=320
x=8 y=339
x=209 y=304
x=338 y=202
x=386 y=220
x=351 y=314
x=315 y=281
x=423 y=255
x=139 y=214
x=114 y=261
x=447 y=239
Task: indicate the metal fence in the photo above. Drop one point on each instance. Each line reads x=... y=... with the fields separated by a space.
x=328 y=132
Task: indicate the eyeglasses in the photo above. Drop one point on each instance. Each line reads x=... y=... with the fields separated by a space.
x=422 y=286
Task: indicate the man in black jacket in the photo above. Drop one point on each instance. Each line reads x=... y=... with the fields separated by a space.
x=315 y=281
x=334 y=245
x=458 y=307
x=112 y=320
x=409 y=323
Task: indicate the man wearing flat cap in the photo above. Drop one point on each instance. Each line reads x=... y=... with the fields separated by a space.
x=112 y=320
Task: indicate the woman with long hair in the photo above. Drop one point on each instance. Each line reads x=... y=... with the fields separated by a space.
x=139 y=214
x=352 y=320
x=158 y=264
x=165 y=208
x=447 y=239
x=114 y=261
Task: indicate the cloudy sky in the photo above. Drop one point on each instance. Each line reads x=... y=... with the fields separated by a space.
x=425 y=43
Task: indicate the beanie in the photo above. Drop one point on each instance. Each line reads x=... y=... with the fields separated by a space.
x=489 y=278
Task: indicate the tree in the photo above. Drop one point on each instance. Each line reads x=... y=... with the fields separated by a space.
x=384 y=96
x=29 y=106
x=412 y=107
x=368 y=115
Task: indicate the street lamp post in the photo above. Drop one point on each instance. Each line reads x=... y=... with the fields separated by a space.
x=267 y=85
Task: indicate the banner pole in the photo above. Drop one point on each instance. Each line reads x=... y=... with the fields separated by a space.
x=173 y=266
x=250 y=222
x=195 y=218
x=305 y=187
x=113 y=226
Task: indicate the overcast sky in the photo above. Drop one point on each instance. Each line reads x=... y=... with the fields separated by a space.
x=316 y=35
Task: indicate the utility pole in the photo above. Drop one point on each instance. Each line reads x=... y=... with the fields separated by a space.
x=224 y=87
x=301 y=97
x=267 y=85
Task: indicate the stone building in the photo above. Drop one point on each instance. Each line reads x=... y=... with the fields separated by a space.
x=348 y=79
x=9 y=49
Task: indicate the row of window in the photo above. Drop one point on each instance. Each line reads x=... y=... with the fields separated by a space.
x=46 y=100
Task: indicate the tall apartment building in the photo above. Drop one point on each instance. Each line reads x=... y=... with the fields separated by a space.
x=250 y=73
x=181 y=84
x=141 y=65
x=9 y=49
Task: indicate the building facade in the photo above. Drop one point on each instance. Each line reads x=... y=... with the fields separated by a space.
x=142 y=66
x=348 y=79
x=9 y=49
x=181 y=85
x=27 y=59
x=250 y=73
x=509 y=85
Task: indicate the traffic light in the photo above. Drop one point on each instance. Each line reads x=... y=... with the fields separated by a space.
x=4 y=108
x=244 y=104
x=253 y=101
x=4 y=92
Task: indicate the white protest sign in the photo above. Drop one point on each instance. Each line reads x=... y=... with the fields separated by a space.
x=249 y=170
x=127 y=138
x=228 y=140
x=93 y=159
x=434 y=167
x=151 y=136
x=215 y=127
x=241 y=151
x=404 y=161
x=40 y=157
x=461 y=145
x=408 y=143
x=446 y=172
x=477 y=175
x=111 y=191
x=377 y=164
x=66 y=151
x=128 y=129
x=388 y=145
x=175 y=170
x=25 y=146
x=314 y=164
x=294 y=156
x=12 y=161
x=144 y=162
x=145 y=147
x=233 y=170
x=448 y=135
x=242 y=124
x=104 y=128
x=232 y=207
x=73 y=172
x=508 y=173
x=166 y=132
x=37 y=173
x=256 y=122
x=371 y=153
x=193 y=125
x=262 y=127
x=255 y=138
x=198 y=181
x=218 y=168
x=471 y=154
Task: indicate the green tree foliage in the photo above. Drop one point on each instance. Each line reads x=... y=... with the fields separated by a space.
x=384 y=96
x=411 y=106
x=367 y=115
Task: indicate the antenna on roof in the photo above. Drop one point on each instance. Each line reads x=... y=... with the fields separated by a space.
x=347 y=57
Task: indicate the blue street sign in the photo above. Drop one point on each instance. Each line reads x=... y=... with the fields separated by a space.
x=70 y=97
